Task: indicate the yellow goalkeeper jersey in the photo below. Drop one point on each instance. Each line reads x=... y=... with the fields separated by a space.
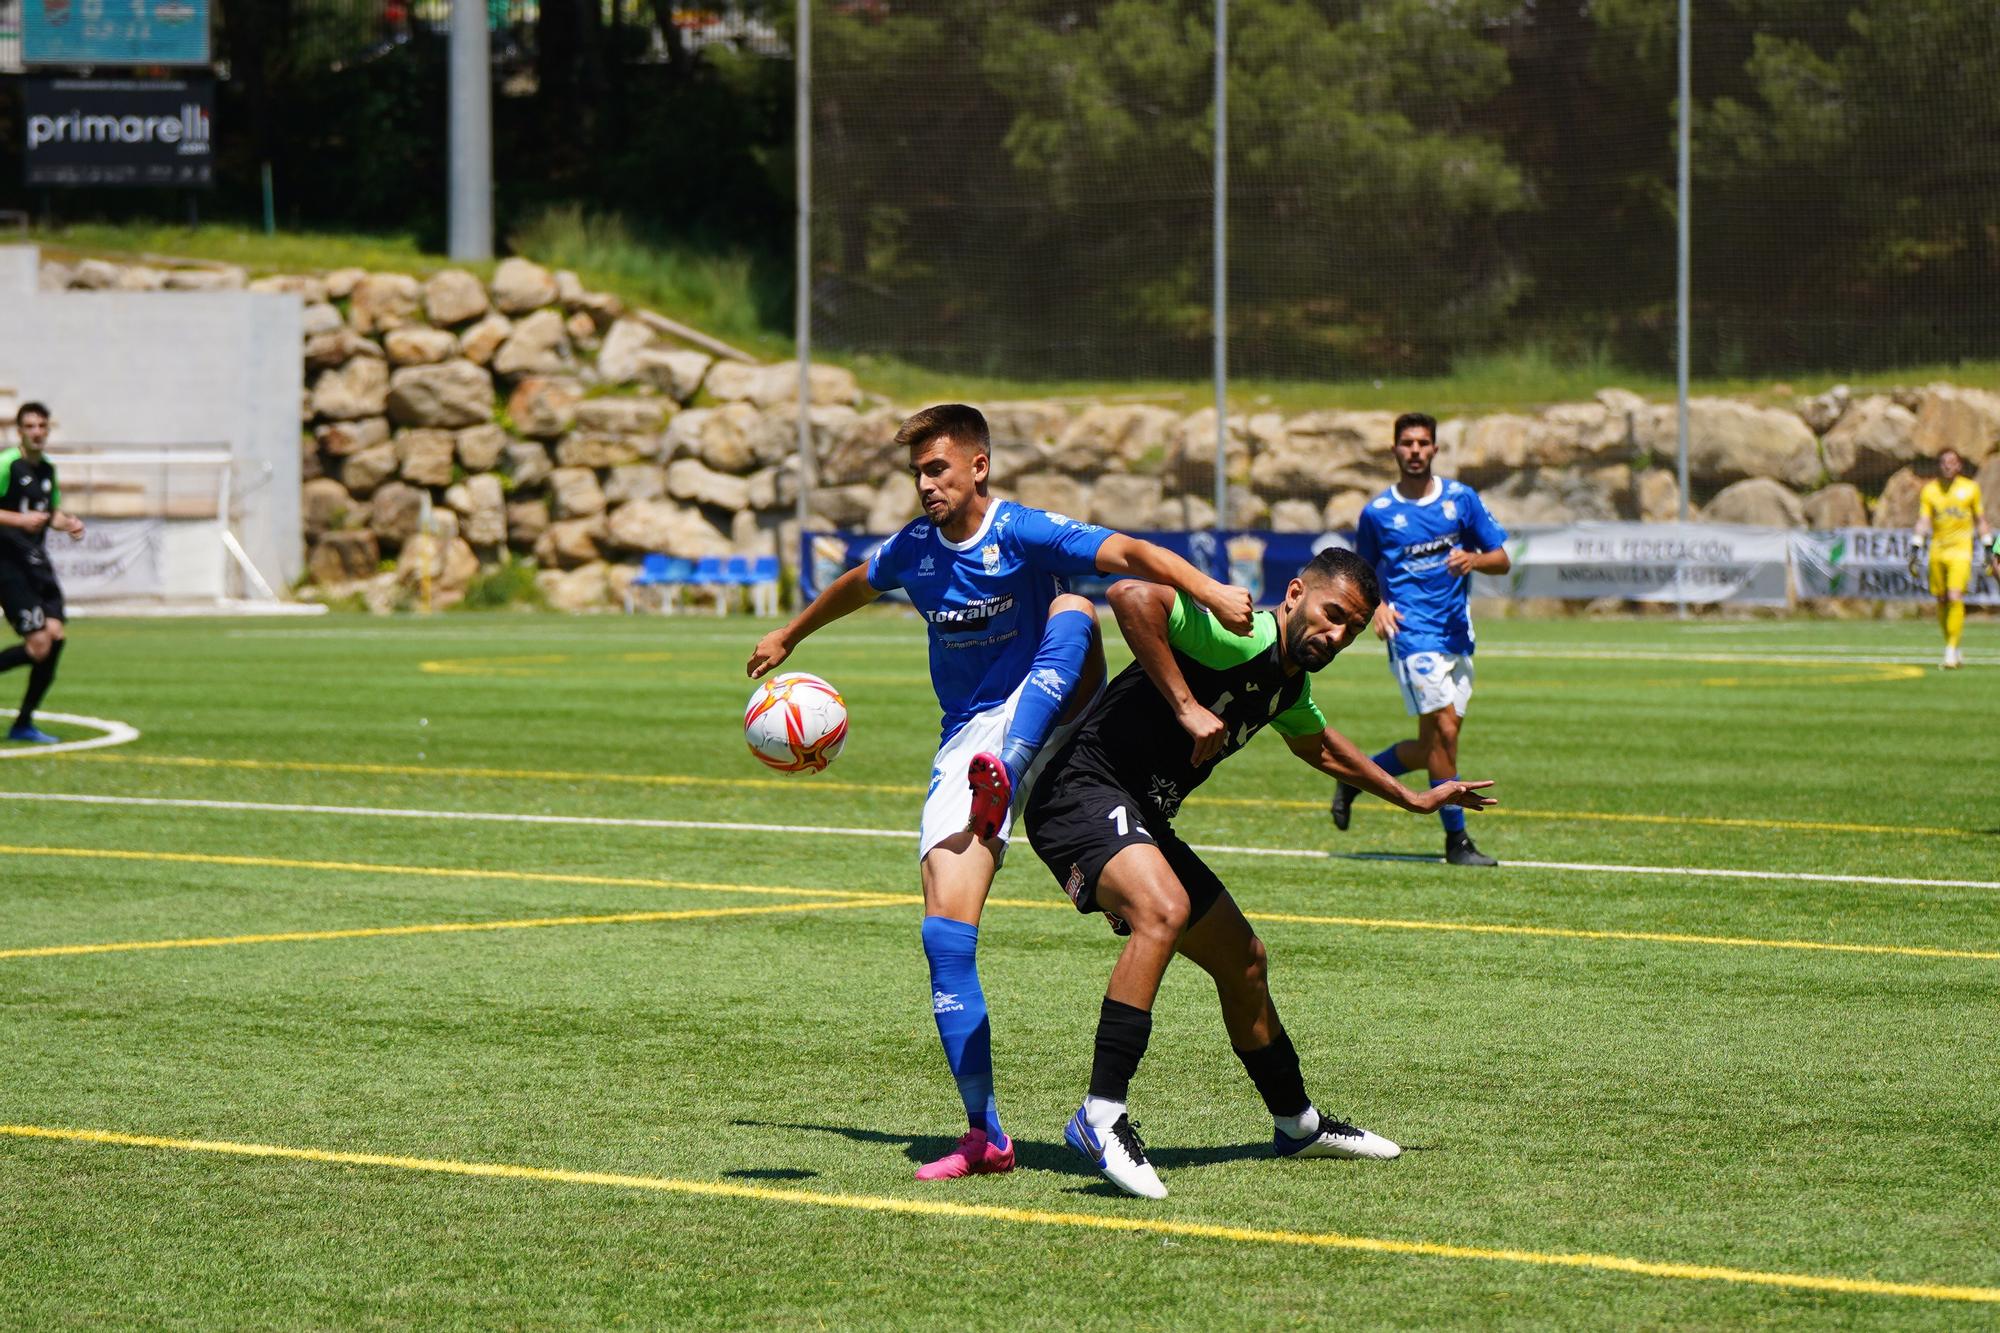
x=1954 y=514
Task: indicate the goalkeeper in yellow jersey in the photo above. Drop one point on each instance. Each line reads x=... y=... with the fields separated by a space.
x=1953 y=529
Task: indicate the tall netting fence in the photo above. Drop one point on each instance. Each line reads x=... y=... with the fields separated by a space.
x=1460 y=206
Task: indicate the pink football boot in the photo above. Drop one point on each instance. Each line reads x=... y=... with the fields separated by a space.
x=974 y=1156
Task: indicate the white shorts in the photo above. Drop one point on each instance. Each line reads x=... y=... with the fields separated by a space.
x=948 y=805
x=1433 y=682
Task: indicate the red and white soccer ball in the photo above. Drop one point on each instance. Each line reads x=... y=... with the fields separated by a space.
x=795 y=723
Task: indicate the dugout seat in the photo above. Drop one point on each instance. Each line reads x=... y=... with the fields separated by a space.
x=667 y=573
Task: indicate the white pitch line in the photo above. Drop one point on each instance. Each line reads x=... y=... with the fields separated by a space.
x=115 y=733
x=836 y=831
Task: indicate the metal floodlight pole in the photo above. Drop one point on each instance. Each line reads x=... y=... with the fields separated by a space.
x=1683 y=251
x=471 y=171
x=1221 y=262
x=802 y=266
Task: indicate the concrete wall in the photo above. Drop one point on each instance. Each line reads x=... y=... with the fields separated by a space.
x=160 y=369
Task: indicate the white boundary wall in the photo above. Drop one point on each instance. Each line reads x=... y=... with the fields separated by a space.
x=159 y=370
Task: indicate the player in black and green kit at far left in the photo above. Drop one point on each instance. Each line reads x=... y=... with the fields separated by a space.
x=31 y=504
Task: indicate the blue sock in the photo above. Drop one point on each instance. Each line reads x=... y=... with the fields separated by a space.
x=1052 y=679
x=960 y=1008
x=1388 y=763
x=1453 y=817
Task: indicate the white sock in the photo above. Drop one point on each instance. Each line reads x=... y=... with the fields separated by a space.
x=1301 y=1126
x=1099 y=1113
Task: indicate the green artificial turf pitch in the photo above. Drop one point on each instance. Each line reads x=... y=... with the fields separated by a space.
x=733 y=1079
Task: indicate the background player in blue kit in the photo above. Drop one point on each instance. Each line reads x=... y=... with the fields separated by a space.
x=1012 y=655
x=1426 y=538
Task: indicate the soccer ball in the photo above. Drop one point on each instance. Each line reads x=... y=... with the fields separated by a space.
x=795 y=722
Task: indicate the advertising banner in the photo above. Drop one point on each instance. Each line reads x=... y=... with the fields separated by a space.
x=117 y=558
x=119 y=132
x=1873 y=563
x=1697 y=563
x=114 y=32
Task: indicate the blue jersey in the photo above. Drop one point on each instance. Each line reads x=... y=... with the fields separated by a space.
x=987 y=598
x=1407 y=542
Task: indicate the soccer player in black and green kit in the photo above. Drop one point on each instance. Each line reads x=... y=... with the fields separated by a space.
x=1102 y=820
x=30 y=504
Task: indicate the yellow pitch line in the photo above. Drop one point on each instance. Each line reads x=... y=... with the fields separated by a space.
x=438 y=928
x=427 y=872
x=863 y=898
x=1151 y=1226
x=796 y=785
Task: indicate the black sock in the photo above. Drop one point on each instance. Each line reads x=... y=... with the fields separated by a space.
x=1275 y=1071
x=39 y=679
x=1122 y=1034
x=13 y=657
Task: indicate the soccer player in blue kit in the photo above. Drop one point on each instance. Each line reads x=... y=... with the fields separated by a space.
x=1426 y=538
x=1014 y=660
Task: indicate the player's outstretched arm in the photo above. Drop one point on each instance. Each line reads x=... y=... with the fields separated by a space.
x=1336 y=756
x=1232 y=606
x=64 y=521
x=844 y=596
x=1142 y=610
x=32 y=521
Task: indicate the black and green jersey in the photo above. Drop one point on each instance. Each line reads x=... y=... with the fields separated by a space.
x=30 y=488
x=1132 y=737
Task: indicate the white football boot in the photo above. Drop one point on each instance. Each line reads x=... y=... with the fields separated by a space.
x=1336 y=1138
x=1117 y=1153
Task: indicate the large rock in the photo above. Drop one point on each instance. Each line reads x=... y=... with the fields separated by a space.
x=1897 y=507
x=851 y=447
x=1190 y=464
x=1989 y=489
x=341 y=438
x=590 y=449
x=1536 y=496
x=1656 y=494
x=725 y=438
x=384 y=301
x=539 y=345
x=1014 y=426
x=343 y=557
x=424 y=457
x=520 y=286
x=895 y=504
x=775 y=488
x=688 y=479
x=1730 y=441
x=341 y=282
x=662 y=525
x=227 y=278
x=1124 y=437
x=1873 y=438
x=635 y=481
x=572 y=542
x=574 y=493
x=842 y=506
x=309 y=288
x=544 y=407
x=1056 y=492
x=481 y=506
x=1836 y=506
x=581 y=589
x=1295 y=516
x=1183 y=513
x=1823 y=412
x=448 y=396
x=618 y=358
x=319 y=319
x=1118 y=500
x=527 y=520
x=1343 y=511
x=365 y=469
x=396 y=512
x=358 y=389
x=767 y=386
x=337 y=347
x=480 y=447
x=418 y=345
x=1967 y=420
x=444 y=557
x=479 y=343
x=324 y=505
x=622 y=416
x=1757 y=502
x=453 y=296
x=676 y=372
x=528 y=463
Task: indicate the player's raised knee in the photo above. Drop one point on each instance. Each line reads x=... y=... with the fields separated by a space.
x=39 y=646
x=1070 y=601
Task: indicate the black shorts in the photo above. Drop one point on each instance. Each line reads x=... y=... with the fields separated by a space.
x=1077 y=822
x=29 y=591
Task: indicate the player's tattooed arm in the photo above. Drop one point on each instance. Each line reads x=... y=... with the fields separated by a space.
x=1233 y=607
x=1143 y=610
x=1338 y=757
x=844 y=596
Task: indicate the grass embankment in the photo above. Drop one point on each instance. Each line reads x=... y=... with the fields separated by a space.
x=727 y=295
